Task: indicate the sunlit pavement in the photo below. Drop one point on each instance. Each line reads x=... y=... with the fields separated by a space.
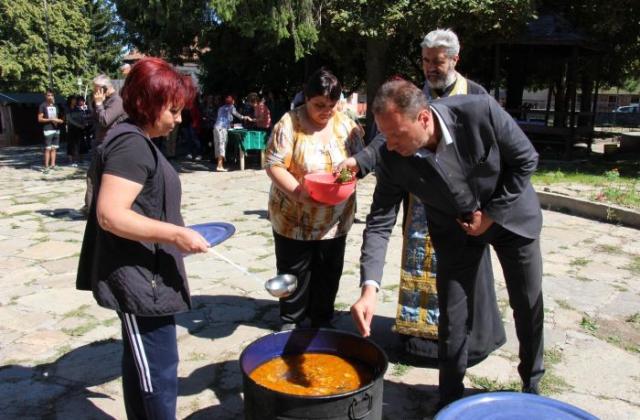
x=60 y=353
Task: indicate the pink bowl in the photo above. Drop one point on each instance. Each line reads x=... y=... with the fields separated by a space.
x=323 y=188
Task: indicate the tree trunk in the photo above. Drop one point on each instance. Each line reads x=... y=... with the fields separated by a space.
x=586 y=97
x=376 y=67
x=560 y=110
x=516 y=78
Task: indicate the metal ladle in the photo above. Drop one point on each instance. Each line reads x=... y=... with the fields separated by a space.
x=282 y=285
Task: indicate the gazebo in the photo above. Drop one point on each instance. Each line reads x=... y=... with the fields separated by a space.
x=558 y=54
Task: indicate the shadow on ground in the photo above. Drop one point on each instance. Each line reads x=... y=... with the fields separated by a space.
x=60 y=389
x=63 y=214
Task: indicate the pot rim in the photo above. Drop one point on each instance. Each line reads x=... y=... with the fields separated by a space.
x=378 y=375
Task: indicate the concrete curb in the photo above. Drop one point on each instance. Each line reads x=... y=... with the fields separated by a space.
x=588 y=209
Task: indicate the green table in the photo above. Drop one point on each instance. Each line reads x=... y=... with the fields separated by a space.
x=245 y=140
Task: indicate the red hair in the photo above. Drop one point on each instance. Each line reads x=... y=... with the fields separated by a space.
x=151 y=86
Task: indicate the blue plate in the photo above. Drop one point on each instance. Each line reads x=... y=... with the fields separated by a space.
x=511 y=406
x=214 y=232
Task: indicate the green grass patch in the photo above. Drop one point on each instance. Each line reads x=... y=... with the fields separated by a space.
x=492 y=385
x=553 y=384
x=583 y=278
x=620 y=288
x=589 y=324
x=391 y=287
x=109 y=322
x=341 y=306
x=608 y=249
x=79 y=312
x=503 y=305
x=81 y=329
x=634 y=265
x=399 y=369
x=196 y=357
x=579 y=262
x=634 y=319
x=615 y=183
x=552 y=356
x=564 y=304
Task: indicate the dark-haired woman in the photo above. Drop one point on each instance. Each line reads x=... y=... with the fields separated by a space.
x=309 y=236
x=132 y=253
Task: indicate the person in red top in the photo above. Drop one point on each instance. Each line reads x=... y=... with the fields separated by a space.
x=261 y=112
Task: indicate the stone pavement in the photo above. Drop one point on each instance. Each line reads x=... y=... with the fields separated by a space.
x=59 y=352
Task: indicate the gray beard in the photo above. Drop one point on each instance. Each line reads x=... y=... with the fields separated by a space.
x=443 y=83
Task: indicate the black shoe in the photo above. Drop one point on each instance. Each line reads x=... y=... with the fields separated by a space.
x=531 y=389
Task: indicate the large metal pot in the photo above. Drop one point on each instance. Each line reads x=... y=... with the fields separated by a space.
x=264 y=404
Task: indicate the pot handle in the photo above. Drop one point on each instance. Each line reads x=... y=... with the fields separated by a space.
x=354 y=405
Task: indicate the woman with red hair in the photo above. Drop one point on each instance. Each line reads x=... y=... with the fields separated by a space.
x=132 y=252
x=220 y=131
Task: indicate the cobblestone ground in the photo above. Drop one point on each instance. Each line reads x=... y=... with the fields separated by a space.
x=59 y=352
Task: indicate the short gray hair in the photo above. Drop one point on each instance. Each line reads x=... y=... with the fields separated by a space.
x=442 y=38
x=405 y=96
x=102 y=80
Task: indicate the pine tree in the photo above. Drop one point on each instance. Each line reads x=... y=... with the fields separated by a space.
x=107 y=36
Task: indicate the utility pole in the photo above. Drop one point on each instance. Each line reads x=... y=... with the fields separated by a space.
x=46 y=32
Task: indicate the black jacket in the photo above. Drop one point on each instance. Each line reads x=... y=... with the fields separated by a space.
x=498 y=160
x=141 y=278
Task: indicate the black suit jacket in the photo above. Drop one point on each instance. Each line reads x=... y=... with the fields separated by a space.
x=497 y=159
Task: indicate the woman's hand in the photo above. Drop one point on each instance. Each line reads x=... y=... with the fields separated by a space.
x=189 y=241
x=301 y=195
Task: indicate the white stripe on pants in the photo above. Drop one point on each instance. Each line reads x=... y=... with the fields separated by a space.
x=139 y=356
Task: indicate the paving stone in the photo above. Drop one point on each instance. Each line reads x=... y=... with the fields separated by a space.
x=58 y=301
x=61 y=266
x=232 y=309
x=18 y=318
x=51 y=250
x=614 y=369
x=13 y=246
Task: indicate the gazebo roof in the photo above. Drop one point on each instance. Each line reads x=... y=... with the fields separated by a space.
x=7 y=98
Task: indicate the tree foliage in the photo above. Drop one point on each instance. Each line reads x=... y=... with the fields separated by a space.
x=107 y=36
x=24 y=62
x=165 y=28
x=276 y=43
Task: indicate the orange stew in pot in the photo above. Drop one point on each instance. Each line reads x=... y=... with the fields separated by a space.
x=312 y=374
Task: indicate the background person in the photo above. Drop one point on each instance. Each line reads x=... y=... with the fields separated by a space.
x=107 y=113
x=261 y=112
x=132 y=252
x=470 y=164
x=49 y=116
x=310 y=237
x=223 y=123
x=75 y=126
